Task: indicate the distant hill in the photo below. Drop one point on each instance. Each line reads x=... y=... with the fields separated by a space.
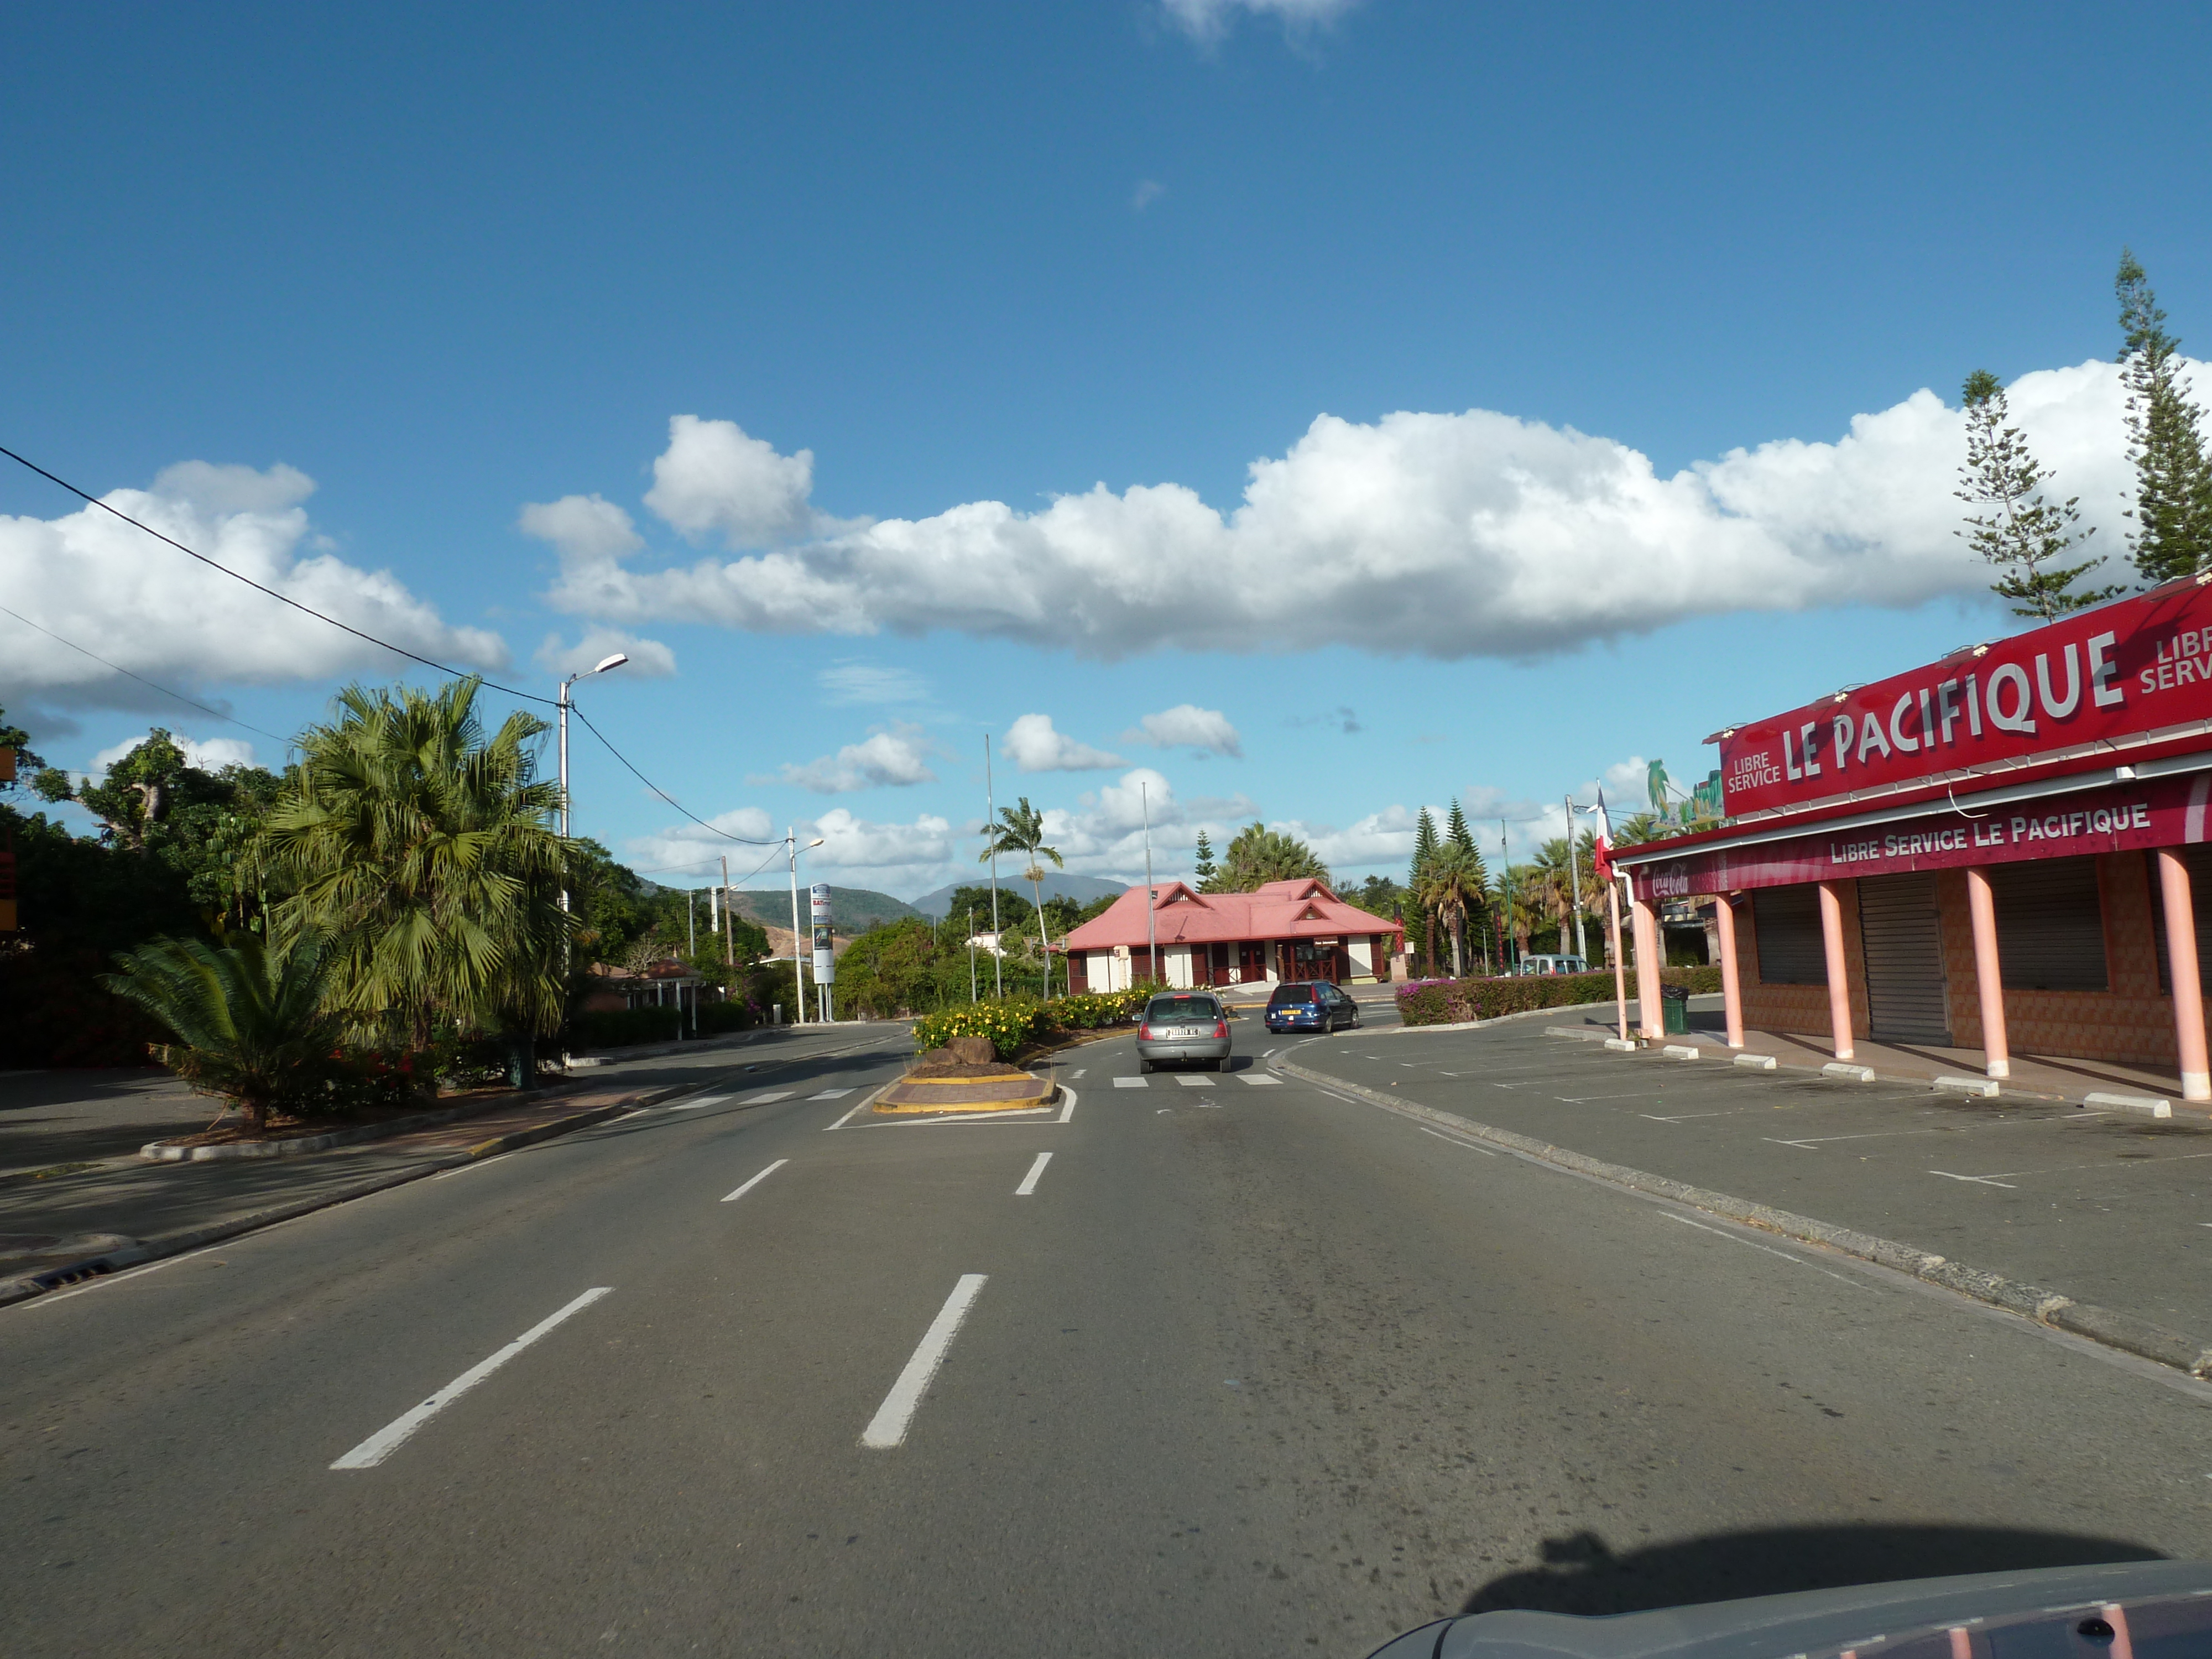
x=852 y=910
x=1057 y=884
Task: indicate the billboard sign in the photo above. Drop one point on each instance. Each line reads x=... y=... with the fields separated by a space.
x=2138 y=669
x=825 y=958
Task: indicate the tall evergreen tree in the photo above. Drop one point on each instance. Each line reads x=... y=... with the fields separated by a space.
x=1426 y=843
x=1204 y=868
x=1456 y=833
x=2018 y=530
x=2172 y=511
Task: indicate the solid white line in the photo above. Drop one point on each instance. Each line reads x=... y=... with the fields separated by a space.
x=849 y=1116
x=1455 y=1140
x=831 y=1094
x=116 y=1278
x=1722 y=1233
x=709 y=1100
x=888 y=1428
x=1068 y=1110
x=1030 y=1180
x=389 y=1438
x=757 y=1180
x=465 y=1168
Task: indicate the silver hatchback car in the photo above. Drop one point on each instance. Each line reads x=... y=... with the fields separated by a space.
x=1184 y=1026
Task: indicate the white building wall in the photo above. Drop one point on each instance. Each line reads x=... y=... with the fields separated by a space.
x=1178 y=966
x=1361 y=948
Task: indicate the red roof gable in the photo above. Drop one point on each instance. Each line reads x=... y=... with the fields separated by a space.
x=1183 y=915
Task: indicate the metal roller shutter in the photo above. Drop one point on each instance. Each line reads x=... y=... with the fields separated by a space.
x=1786 y=923
x=2050 y=925
x=2199 y=862
x=1903 y=940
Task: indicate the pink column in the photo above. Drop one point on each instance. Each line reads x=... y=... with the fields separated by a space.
x=2181 y=956
x=1988 y=979
x=1649 y=1021
x=1839 y=990
x=1731 y=988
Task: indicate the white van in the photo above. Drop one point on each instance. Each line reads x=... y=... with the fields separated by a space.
x=1553 y=965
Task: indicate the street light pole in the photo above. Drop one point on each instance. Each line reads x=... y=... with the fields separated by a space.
x=604 y=663
x=1151 y=897
x=991 y=828
x=798 y=955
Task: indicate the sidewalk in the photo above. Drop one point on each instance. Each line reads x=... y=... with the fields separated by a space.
x=2031 y=1074
x=2106 y=1208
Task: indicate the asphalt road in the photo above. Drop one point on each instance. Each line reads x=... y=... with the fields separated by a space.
x=1250 y=1369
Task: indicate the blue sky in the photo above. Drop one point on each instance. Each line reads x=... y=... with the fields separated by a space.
x=1542 y=270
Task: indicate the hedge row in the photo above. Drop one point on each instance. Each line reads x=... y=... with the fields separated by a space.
x=1017 y=1022
x=1449 y=1001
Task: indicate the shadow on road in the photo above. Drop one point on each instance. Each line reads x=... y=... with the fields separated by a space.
x=1582 y=1574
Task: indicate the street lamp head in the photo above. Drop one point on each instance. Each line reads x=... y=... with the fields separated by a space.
x=615 y=661
x=817 y=841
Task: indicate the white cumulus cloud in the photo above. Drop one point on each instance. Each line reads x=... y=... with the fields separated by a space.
x=715 y=480
x=889 y=756
x=1473 y=534
x=1208 y=20
x=113 y=589
x=1187 y=726
x=211 y=754
x=649 y=659
x=1032 y=744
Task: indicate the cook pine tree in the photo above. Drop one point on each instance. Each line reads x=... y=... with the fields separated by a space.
x=2019 y=529
x=2172 y=509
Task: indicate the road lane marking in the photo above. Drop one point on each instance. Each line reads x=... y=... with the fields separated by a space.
x=732 y=1197
x=715 y=1100
x=1192 y=1080
x=1133 y=1083
x=105 y=1279
x=849 y=1115
x=1813 y=1142
x=1078 y=1070
x=389 y=1438
x=831 y=1094
x=1030 y=1180
x=1455 y=1140
x=895 y=1415
x=1718 y=1232
x=1068 y=1110
x=1984 y=1181
x=763 y=1100
x=1260 y=1082
x=465 y=1168
x=1687 y=1117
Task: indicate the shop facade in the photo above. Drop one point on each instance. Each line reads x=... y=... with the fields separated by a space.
x=2005 y=849
x=1286 y=930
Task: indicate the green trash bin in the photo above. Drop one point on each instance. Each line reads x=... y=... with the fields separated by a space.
x=1675 y=1007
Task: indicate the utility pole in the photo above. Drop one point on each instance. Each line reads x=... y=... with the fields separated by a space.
x=1504 y=893
x=729 y=935
x=692 y=921
x=991 y=828
x=1151 y=894
x=1574 y=880
x=798 y=957
x=971 y=953
x=604 y=663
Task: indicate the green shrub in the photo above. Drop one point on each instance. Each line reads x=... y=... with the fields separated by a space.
x=1451 y=1001
x=1018 y=1022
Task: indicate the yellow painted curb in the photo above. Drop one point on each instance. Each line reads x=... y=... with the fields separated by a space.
x=1021 y=1103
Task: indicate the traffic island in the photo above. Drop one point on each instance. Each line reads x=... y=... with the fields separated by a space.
x=962 y=1076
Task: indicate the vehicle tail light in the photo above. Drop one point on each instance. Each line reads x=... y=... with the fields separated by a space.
x=1145 y=1033
x=1221 y=1028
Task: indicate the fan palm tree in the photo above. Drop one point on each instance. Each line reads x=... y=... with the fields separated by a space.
x=425 y=854
x=1021 y=829
x=249 y=1022
x=1454 y=886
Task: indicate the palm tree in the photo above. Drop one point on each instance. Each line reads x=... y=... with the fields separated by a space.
x=1259 y=855
x=1454 y=884
x=426 y=854
x=249 y=1022
x=1021 y=829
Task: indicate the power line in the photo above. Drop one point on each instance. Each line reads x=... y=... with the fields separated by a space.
x=91 y=500
x=141 y=678
x=743 y=841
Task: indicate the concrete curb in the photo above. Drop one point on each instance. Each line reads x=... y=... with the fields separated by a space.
x=1554 y=1011
x=2114 y=1330
x=159 y=1152
x=191 y=1238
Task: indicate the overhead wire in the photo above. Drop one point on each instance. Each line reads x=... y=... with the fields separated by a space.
x=141 y=678
x=91 y=500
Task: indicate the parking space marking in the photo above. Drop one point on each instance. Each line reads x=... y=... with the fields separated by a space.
x=1685 y=1116
x=1984 y=1181
x=389 y=1438
x=1133 y=1083
x=1814 y=1143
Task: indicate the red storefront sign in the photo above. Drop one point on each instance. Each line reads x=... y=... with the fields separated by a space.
x=2116 y=818
x=2124 y=670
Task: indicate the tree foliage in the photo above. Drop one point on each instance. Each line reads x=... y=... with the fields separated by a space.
x=424 y=853
x=1259 y=855
x=1453 y=887
x=2018 y=529
x=2173 y=510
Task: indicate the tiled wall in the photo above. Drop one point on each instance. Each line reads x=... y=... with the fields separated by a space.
x=2131 y=1022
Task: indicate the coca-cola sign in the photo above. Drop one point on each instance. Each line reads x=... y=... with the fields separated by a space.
x=2107 y=676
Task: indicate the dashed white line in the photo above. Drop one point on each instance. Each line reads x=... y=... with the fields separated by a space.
x=715 y=1100
x=1257 y=1080
x=1078 y=1070
x=1030 y=1180
x=1194 y=1080
x=895 y=1415
x=831 y=1094
x=732 y=1197
x=1133 y=1083
x=389 y=1438
x=763 y=1100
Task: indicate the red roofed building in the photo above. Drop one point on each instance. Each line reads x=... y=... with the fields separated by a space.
x=1286 y=930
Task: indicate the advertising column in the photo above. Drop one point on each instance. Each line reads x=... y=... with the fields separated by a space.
x=825 y=960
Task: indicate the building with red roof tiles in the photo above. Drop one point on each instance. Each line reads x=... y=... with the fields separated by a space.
x=1287 y=930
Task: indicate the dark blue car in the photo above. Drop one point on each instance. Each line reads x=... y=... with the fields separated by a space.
x=1309 y=1005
